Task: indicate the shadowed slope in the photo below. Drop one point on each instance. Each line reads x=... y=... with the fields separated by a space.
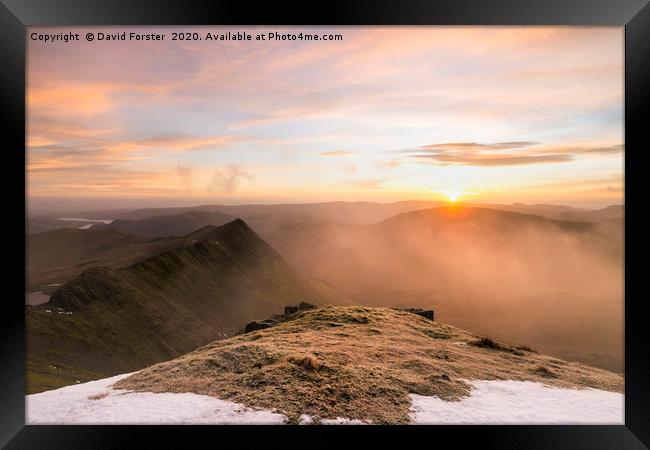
x=109 y=321
x=57 y=256
x=170 y=225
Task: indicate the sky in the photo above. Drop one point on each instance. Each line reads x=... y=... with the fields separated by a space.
x=477 y=114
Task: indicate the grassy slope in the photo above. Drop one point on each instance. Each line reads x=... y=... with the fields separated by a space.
x=170 y=225
x=57 y=256
x=355 y=362
x=124 y=319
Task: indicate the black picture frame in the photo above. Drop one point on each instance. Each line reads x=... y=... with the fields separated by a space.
x=15 y=15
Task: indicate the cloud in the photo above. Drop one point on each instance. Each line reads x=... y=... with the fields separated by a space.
x=500 y=160
x=79 y=100
x=185 y=175
x=228 y=179
x=389 y=164
x=72 y=168
x=509 y=153
x=368 y=184
x=608 y=150
x=87 y=180
x=336 y=153
x=70 y=146
x=97 y=122
x=473 y=146
x=588 y=183
x=178 y=142
x=350 y=169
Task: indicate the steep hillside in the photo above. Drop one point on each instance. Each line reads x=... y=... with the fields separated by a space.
x=108 y=321
x=56 y=256
x=555 y=284
x=356 y=363
x=170 y=225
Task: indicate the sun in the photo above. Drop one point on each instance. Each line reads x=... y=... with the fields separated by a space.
x=452 y=196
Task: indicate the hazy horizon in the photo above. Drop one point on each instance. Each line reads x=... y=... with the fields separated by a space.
x=37 y=206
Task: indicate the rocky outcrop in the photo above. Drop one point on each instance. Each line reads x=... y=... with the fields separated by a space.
x=290 y=310
x=258 y=325
x=277 y=318
x=304 y=306
x=426 y=313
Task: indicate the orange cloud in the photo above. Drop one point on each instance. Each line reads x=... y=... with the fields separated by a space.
x=94 y=121
x=505 y=153
x=68 y=100
x=176 y=143
x=336 y=153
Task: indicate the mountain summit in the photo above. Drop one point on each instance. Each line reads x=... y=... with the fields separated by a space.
x=358 y=363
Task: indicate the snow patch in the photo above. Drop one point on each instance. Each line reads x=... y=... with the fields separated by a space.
x=521 y=402
x=96 y=402
x=342 y=421
x=306 y=419
x=490 y=402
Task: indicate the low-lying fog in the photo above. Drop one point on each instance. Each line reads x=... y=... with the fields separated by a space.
x=556 y=286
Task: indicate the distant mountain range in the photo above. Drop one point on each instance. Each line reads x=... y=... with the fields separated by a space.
x=149 y=300
x=56 y=256
x=565 y=212
x=264 y=219
x=178 y=224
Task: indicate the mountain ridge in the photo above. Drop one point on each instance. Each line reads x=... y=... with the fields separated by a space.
x=109 y=320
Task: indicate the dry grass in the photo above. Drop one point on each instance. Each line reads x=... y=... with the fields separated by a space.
x=99 y=396
x=355 y=362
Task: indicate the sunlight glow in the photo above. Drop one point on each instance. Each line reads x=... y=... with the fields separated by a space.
x=452 y=196
x=412 y=113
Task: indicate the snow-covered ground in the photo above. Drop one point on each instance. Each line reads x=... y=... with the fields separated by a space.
x=306 y=419
x=521 y=402
x=491 y=402
x=96 y=403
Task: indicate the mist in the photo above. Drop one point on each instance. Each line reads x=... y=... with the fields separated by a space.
x=556 y=286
